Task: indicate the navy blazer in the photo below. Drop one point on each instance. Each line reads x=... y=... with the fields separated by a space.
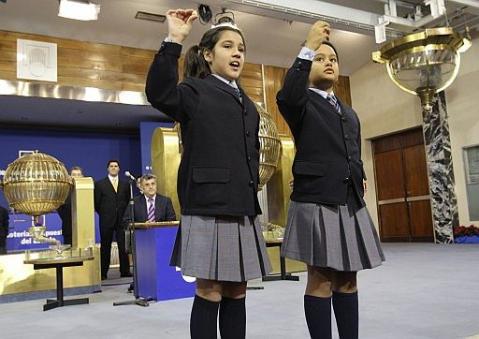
x=65 y=214
x=164 y=210
x=110 y=205
x=219 y=169
x=4 y=223
x=328 y=145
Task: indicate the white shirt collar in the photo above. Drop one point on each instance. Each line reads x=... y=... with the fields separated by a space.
x=324 y=94
x=231 y=83
x=112 y=178
x=147 y=198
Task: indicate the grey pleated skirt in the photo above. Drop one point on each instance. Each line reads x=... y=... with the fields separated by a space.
x=221 y=248
x=334 y=237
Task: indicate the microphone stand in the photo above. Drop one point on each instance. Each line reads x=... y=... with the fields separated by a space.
x=131 y=227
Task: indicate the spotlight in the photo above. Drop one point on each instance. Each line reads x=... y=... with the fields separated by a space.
x=205 y=13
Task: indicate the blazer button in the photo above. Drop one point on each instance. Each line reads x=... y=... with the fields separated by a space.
x=346 y=137
x=251 y=183
x=349 y=157
x=346 y=180
x=247 y=133
x=249 y=158
x=343 y=119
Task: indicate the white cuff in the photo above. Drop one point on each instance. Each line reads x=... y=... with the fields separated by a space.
x=306 y=54
x=168 y=39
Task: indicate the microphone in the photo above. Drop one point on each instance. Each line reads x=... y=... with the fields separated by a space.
x=129 y=175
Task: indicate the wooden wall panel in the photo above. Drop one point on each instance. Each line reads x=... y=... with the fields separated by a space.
x=252 y=82
x=273 y=77
x=124 y=68
x=83 y=63
x=343 y=90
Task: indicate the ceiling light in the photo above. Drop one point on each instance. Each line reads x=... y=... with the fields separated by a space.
x=78 y=10
x=150 y=16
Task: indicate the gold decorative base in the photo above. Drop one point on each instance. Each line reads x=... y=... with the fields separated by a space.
x=17 y=275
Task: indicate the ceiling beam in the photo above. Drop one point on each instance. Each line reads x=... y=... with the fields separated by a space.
x=341 y=17
x=468 y=3
x=471 y=6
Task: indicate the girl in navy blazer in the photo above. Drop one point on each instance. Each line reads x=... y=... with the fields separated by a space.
x=329 y=227
x=220 y=240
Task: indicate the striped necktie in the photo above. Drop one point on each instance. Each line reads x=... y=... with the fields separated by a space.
x=238 y=93
x=151 y=210
x=333 y=101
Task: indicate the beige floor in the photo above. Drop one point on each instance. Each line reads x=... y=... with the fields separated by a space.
x=422 y=291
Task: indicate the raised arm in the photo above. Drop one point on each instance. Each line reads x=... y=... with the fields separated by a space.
x=161 y=88
x=293 y=96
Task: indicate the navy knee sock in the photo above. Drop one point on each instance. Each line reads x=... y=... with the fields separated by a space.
x=345 y=307
x=318 y=316
x=232 y=318
x=203 y=321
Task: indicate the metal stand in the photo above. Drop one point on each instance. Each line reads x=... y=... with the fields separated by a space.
x=283 y=274
x=138 y=300
x=59 y=302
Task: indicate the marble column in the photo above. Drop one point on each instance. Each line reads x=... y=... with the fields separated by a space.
x=440 y=170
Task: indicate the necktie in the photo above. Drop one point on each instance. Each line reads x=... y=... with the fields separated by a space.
x=238 y=93
x=115 y=184
x=151 y=210
x=333 y=101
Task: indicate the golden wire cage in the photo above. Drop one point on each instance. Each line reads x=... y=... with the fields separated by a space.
x=270 y=146
x=36 y=184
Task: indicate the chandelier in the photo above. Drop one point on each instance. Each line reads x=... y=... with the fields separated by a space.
x=424 y=63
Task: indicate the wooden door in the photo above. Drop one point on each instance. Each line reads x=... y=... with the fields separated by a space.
x=404 y=206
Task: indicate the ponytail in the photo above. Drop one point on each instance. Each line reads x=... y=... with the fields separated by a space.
x=195 y=64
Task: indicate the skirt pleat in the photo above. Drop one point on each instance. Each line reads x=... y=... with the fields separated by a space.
x=221 y=248
x=334 y=237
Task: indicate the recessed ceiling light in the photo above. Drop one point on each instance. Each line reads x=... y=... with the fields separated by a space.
x=150 y=16
x=78 y=10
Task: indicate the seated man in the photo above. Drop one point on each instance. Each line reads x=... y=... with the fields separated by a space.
x=150 y=206
x=4 y=218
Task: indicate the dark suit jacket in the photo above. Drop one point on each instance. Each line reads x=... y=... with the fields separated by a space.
x=328 y=145
x=111 y=205
x=4 y=222
x=163 y=209
x=219 y=168
x=65 y=214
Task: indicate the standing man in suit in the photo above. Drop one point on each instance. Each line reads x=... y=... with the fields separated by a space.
x=4 y=218
x=150 y=206
x=65 y=210
x=111 y=200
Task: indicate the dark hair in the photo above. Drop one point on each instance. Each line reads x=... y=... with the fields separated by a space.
x=332 y=46
x=146 y=177
x=112 y=161
x=195 y=64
